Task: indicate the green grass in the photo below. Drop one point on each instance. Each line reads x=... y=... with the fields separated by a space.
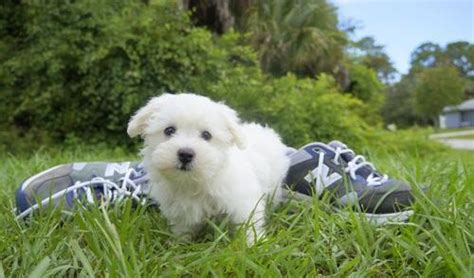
x=446 y=130
x=304 y=238
x=465 y=137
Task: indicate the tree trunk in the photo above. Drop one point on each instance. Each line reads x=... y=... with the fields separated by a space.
x=213 y=14
x=435 y=120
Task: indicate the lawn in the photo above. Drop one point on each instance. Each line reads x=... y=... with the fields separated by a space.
x=304 y=238
x=448 y=130
x=465 y=137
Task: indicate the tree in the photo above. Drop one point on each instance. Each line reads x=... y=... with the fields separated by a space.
x=427 y=55
x=297 y=36
x=433 y=82
x=302 y=37
x=461 y=55
x=372 y=55
x=457 y=54
x=216 y=15
x=399 y=107
x=436 y=88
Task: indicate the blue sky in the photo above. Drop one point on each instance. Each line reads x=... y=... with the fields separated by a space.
x=402 y=25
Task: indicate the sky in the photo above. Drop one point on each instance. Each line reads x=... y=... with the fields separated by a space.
x=402 y=25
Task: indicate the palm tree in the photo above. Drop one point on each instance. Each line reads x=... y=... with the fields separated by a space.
x=299 y=36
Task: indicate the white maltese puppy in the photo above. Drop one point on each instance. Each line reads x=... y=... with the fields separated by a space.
x=203 y=163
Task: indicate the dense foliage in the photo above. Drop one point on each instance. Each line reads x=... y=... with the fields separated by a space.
x=85 y=67
x=399 y=104
x=297 y=36
x=438 y=87
x=367 y=52
x=80 y=69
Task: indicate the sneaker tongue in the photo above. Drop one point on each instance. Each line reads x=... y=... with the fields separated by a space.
x=346 y=157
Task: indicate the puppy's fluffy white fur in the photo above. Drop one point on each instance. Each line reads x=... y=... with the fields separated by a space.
x=232 y=173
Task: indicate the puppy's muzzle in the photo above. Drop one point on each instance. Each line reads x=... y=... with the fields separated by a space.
x=186 y=156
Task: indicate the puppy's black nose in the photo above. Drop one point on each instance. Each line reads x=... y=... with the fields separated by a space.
x=186 y=155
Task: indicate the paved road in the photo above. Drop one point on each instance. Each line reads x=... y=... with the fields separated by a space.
x=464 y=144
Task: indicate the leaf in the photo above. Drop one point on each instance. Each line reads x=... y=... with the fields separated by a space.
x=41 y=268
x=82 y=258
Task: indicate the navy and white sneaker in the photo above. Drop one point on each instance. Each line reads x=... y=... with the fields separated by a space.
x=317 y=169
x=88 y=182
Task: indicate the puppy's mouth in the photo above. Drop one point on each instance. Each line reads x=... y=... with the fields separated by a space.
x=185 y=167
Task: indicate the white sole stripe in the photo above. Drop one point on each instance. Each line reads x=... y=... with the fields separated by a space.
x=375 y=218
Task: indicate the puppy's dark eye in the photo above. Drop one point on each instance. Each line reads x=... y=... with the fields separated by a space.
x=206 y=135
x=169 y=130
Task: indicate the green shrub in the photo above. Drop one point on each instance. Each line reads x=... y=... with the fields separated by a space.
x=305 y=110
x=301 y=110
x=85 y=66
x=79 y=70
x=367 y=87
x=365 y=84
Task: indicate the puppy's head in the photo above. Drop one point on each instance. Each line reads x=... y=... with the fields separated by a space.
x=186 y=136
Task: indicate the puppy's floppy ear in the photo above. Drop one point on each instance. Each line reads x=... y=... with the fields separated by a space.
x=139 y=121
x=233 y=125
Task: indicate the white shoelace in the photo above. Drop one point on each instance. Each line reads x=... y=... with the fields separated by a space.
x=111 y=191
x=356 y=163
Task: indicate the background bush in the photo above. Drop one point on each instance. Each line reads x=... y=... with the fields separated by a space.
x=83 y=68
x=80 y=69
x=306 y=110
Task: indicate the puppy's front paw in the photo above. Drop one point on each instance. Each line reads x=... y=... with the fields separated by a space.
x=253 y=222
x=185 y=233
x=254 y=235
x=185 y=238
